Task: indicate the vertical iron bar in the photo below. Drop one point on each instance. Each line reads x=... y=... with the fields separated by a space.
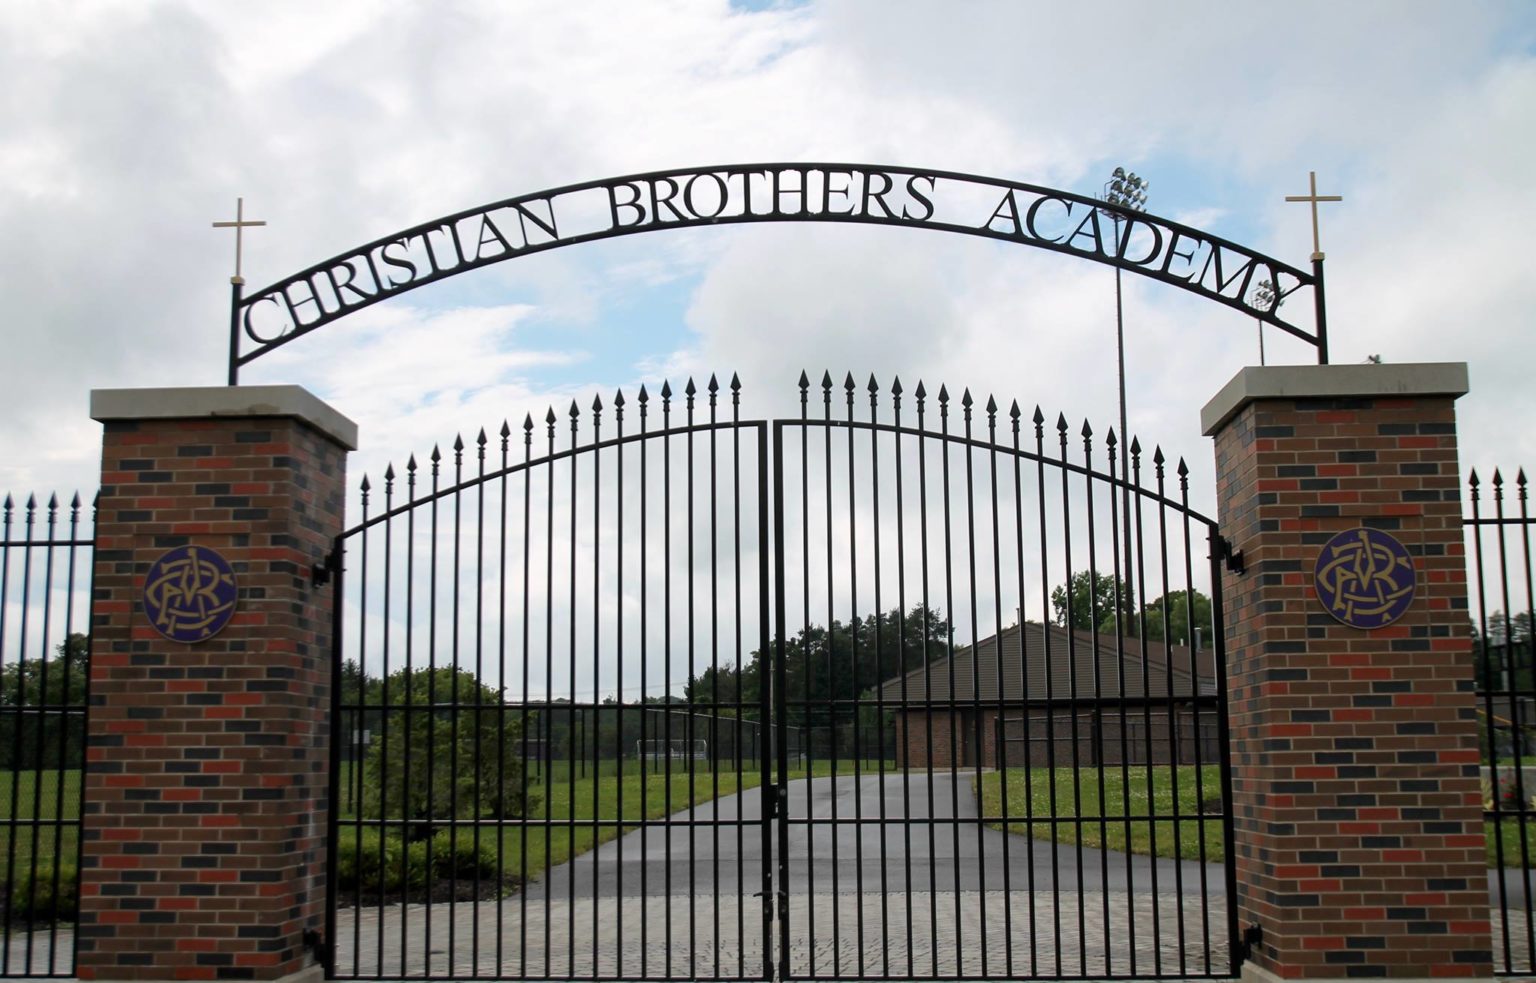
x=1050 y=691
x=21 y=699
x=1121 y=604
x=478 y=690
x=693 y=918
x=1321 y=307
x=597 y=670
x=1096 y=718
x=976 y=726
x=1224 y=735
x=431 y=708
x=1024 y=694
x=666 y=604
x=714 y=662
x=1530 y=605
x=831 y=697
x=999 y=754
x=874 y=484
x=235 y=284
x=853 y=692
x=1072 y=684
x=42 y=702
x=1173 y=757
x=922 y=511
x=645 y=781
x=779 y=689
x=333 y=801
x=501 y=714
x=454 y=711
x=764 y=782
x=1195 y=720
x=956 y=734
x=354 y=724
x=1146 y=693
x=806 y=719
x=546 y=752
x=570 y=734
x=64 y=714
x=410 y=674
x=361 y=717
x=905 y=736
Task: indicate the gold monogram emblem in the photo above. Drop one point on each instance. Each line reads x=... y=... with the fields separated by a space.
x=1365 y=578
x=190 y=594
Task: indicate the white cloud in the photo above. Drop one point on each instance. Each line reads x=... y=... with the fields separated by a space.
x=129 y=127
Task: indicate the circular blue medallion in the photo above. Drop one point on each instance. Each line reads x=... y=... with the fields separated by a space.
x=190 y=594
x=1365 y=578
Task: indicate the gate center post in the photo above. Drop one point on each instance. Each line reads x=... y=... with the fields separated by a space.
x=206 y=774
x=1357 y=802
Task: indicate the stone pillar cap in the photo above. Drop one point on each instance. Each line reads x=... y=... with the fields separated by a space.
x=1367 y=380
x=213 y=402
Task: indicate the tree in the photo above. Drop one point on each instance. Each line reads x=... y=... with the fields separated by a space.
x=1092 y=602
x=1178 y=616
x=465 y=755
x=54 y=737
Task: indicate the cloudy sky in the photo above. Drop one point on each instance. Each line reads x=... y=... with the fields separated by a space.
x=129 y=127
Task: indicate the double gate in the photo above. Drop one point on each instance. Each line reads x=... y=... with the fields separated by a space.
x=900 y=686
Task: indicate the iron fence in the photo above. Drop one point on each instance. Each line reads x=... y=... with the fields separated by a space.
x=596 y=723
x=906 y=535
x=1504 y=649
x=45 y=569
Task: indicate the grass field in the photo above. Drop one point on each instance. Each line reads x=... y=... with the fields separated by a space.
x=525 y=850
x=37 y=795
x=1076 y=797
x=598 y=797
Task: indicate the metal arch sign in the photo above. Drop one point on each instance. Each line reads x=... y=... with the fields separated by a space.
x=869 y=194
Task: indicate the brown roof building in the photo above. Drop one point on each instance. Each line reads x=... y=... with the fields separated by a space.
x=1044 y=694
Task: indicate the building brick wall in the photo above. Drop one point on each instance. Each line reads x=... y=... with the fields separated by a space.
x=205 y=783
x=1356 y=794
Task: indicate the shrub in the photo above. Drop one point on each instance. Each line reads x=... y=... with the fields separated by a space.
x=449 y=856
x=44 y=905
x=464 y=762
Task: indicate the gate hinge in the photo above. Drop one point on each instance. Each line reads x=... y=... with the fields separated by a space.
x=1232 y=558
x=1253 y=937
x=320 y=573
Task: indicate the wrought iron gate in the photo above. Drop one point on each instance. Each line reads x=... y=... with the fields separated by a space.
x=581 y=735
x=1504 y=648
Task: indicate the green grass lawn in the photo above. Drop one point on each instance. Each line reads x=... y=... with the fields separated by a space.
x=598 y=797
x=525 y=850
x=34 y=794
x=1077 y=794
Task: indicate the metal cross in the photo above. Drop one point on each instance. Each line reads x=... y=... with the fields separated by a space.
x=1314 y=198
x=239 y=225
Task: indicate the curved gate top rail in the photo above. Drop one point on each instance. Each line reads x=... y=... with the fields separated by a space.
x=671 y=600
x=945 y=201
x=483 y=467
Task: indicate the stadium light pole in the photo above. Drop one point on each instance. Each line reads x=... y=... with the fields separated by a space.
x=1128 y=191
x=1264 y=299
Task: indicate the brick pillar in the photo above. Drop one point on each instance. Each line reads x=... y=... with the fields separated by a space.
x=1356 y=795
x=206 y=773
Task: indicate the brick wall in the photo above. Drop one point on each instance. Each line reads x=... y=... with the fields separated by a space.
x=917 y=748
x=1355 y=765
x=206 y=764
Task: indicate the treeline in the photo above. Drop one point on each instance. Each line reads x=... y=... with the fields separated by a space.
x=42 y=708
